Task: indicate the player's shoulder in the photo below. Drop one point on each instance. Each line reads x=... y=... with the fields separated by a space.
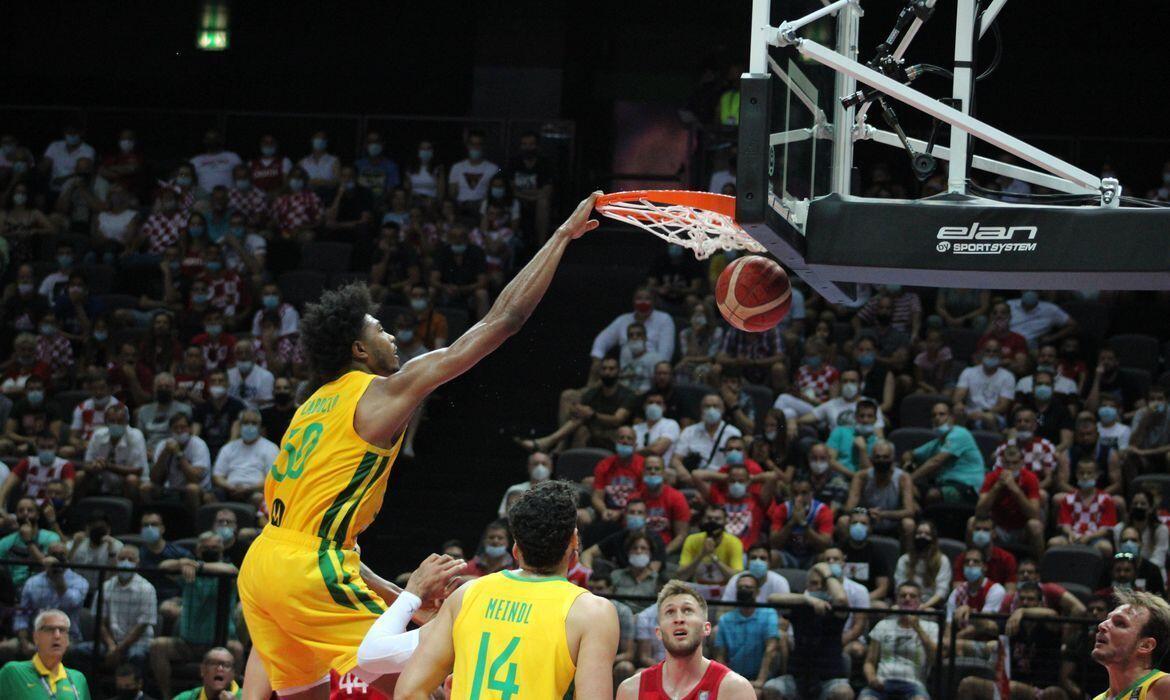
x=735 y=687
x=628 y=690
x=1159 y=689
x=587 y=607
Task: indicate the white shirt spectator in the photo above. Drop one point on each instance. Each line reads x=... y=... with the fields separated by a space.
x=196 y=453
x=128 y=605
x=214 y=169
x=644 y=625
x=1062 y=385
x=1115 y=436
x=290 y=320
x=241 y=464
x=65 y=160
x=4 y=472
x=773 y=583
x=831 y=412
x=323 y=168
x=984 y=391
x=659 y=334
x=472 y=181
x=635 y=372
x=51 y=282
x=942 y=580
x=1035 y=323
x=694 y=439
x=83 y=551
x=88 y=416
x=646 y=435
x=513 y=489
x=129 y=451
x=857 y=595
x=424 y=183
x=255 y=389
x=115 y=227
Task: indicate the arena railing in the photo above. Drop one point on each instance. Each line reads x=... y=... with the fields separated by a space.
x=948 y=667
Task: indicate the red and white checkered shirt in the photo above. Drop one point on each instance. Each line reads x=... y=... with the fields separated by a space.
x=229 y=293
x=252 y=203
x=36 y=476
x=87 y=416
x=819 y=380
x=55 y=351
x=163 y=230
x=296 y=210
x=1039 y=456
x=1083 y=517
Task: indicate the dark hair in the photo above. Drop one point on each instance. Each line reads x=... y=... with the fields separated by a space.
x=452 y=543
x=97 y=516
x=131 y=670
x=543 y=521
x=867 y=403
x=635 y=536
x=329 y=328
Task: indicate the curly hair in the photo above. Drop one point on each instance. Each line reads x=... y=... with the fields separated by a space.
x=542 y=523
x=330 y=326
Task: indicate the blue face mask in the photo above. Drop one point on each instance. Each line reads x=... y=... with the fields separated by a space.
x=819 y=595
x=653 y=412
x=814 y=361
x=225 y=532
x=653 y=481
x=150 y=533
x=972 y=573
x=858 y=531
x=101 y=336
x=624 y=451
x=271 y=301
x=837 y=570
x=35 y=397
x=712 y=415
x=238 y=231
x=981 y=538
x=214 y=266
x=498 y=192
x=195 y=231
x=1087 y=484
x=1130 y=547
x=758 y=568
x=863 y=429
x=65 y=260
x=1043 y=392
x=1029 y=299
x=245 y=366
x=1107 y=414
x=737 y=490
x=991 y=362
x=475 y=153
x=319 y=144
x=116 y=431
x=866 y=359
x=943 y=429
x=250 y=432
x=495 y=551
x=47 y=457
x=735 y=456
x=459 y=248
x=214 y=329
x=635 y=522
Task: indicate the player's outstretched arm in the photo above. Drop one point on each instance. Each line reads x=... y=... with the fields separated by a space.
x=596 y=620
x=401 y=392
x=435 y=656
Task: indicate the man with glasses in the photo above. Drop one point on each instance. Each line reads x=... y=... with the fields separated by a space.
x=218 y=675
x=44 y=675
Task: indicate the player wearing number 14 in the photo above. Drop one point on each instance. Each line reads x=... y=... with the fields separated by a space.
x=524 y=634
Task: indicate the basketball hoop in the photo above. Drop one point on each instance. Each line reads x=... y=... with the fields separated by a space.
x=702 y=222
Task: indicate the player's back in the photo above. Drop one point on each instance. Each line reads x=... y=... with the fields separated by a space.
x=327 y=481
x=510 y=639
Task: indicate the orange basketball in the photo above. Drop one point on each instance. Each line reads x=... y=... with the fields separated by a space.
x=753 y=293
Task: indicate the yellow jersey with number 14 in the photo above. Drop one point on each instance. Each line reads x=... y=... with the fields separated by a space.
x=510 y=640
x=327 y=481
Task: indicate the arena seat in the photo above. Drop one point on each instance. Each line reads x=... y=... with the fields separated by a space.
x=987 y=441
x=114 y=302
x=1140 y=378
x=1092 y=318
x=951 y=548
x=887 y=549
x=914 y=411
x=119 y=510
x=910 y=438
x=340 y=279
x=67 y=400
x=1072 y=563
x=175 y=517
x=797 y=578
x=187 y=543
x=962 y=342
x=577 y=463
x=762 y=401
x=205 y=517
x=1137 y=351
x=299 y=287
x=950 y=519
x=326 y=256
x=100 y=278
x=689 y=397
x=1161 y=482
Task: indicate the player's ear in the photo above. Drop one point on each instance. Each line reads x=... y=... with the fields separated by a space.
x=358 y=350
x=1146 y=645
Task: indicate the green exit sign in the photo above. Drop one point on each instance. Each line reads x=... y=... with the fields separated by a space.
x=212 y=40
x=213 y=26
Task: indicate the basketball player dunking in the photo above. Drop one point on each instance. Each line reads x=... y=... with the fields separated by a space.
x=685 y=674
x=1131 y=641
x=307 y=598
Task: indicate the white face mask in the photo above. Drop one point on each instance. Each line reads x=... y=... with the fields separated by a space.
x=849 y=390
x=639 y=561
x=819 y=466
x=540 y=473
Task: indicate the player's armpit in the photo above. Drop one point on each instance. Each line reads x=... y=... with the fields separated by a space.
x=435 y=655
x=595 y=619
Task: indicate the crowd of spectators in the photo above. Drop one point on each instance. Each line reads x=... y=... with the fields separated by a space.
x=149 y=327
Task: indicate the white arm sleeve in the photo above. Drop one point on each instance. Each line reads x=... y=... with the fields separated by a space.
x=387 y=646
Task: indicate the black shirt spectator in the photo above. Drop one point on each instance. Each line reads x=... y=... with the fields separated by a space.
x=816 y=653
x=274 y=421
x=216 y=422
x=864 y=565
x=1054 y=418
x=462 y=269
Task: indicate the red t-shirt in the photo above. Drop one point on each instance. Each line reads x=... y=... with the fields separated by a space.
x=1006 y=511
x=620 y=479
x=1001 y=565
x=350 y=687
x=36 y=476
x=665 y=509
x=820 y=518
x=1010 y=343
x=745 y=516
x=1083 y=517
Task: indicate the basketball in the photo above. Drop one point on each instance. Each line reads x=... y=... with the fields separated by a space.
x=753 y=293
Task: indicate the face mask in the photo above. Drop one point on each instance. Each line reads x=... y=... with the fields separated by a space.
x=711 y=527
x=195 y=231
x=213 y=329
x=494 y=551
x=608 y=381
x=991 y=362
x=296 y=184
x=643 y=307
x=712 y=415
x=1043 y=392
x=858 y=531
x=1130 y=547
x=539 y=473
x=406 y=335
x=214 y=266
x=699 y=320
x=225 y=532
x=271 y=301
x=814 y=361
x=217 y=392
x=72 y=139
x=921 y=544
x=268 y=151
x=35 y=397
x=653 y=412
x=243 y=184
x=770 y=435
x=943 y=429
x=849 y=390
x=624 y=451
x=744 y=595
x=65 y=260
x=1107 y=414
x=758 y=568
x=837 y=570
x=25 y=288
x=637 y=347
x=117 y=430
x=47 y=457
x=475 y=153
x=972 y=573
x=19 y=199
x=1123 y=585
x=866 y=359
x=819 y=595
x=1158 y=406
x=882 y=465
x=819 y=466
x=1138 y=513
x=863 y=429
x=425 y=155
x=1086 y=484
x=639 y=561
x=737 y=490
x=459 y=248
x=211 y=555
x=374 y=149
x=735 y=456
x=183 y=181
x=1029 y=299
x=1023 y=435
x=498 y=192
x=981 y=538
x=126 y=570
x=653 y=482
x=101 y=336
x=245 y=366
x=419 y=304
x=150 y=533
x=249 y=432
x=183 y=439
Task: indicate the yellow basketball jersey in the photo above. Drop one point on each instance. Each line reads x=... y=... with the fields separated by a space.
x=510 y=641
x=1137 y=691
x=327 y=481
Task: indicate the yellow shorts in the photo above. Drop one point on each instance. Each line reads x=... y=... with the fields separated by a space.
x=306 y=606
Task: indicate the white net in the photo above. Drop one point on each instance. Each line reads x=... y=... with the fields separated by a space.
x=699 y=230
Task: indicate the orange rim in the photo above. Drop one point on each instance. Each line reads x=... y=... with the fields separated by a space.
x=719 y=203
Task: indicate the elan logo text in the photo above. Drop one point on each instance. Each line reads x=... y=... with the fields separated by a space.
x=986 y=233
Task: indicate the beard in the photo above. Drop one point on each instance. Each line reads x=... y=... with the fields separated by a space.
x=681 y=648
